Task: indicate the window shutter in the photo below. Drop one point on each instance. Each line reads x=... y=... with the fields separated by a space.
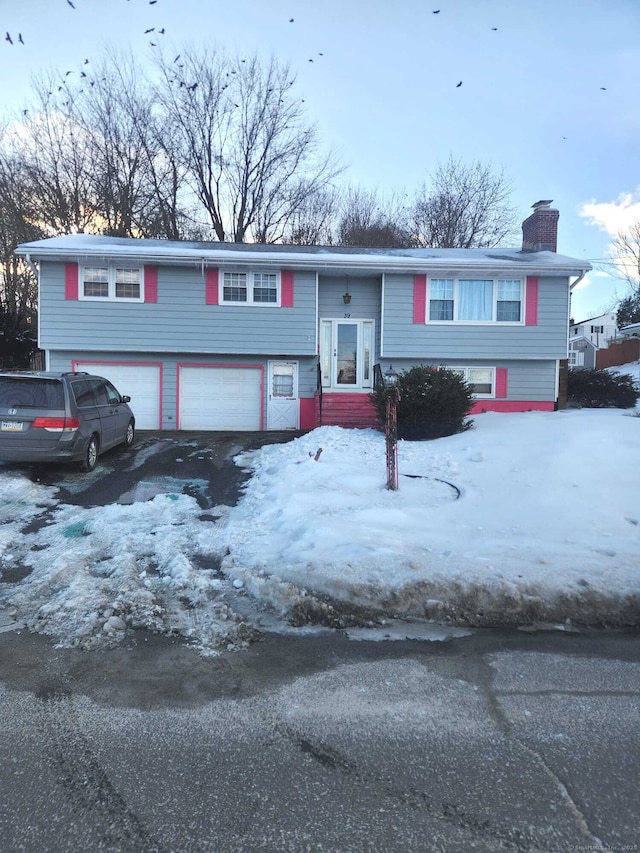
x=419 y=299
x=531 y=302
x=286 y=288
x=71 y=281
x=211 y=286
x=150 y=284
x=501 y=381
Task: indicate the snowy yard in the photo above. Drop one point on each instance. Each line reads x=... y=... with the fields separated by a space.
x=546 y=528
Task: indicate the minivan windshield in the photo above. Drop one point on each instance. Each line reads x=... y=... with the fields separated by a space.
x=26 y=392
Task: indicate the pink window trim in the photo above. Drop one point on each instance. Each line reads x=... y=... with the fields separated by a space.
x=501 y=382
x=150 y=284
x=286 y=289
x=420 y=299
x=211 y=286
x=182 y=364
x=531 y=302
x=76 y=361
x=71 y=281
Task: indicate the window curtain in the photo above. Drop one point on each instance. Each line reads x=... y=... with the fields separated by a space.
x=475 y=299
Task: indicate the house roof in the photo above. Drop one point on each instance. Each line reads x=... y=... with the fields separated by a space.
x=591 y=319
x=584 y=339
x=86 y=247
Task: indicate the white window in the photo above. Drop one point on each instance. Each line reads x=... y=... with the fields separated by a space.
x=117 y=284
x=470 y=300
x=250 y=288
x=481 y=379
x=597 y=330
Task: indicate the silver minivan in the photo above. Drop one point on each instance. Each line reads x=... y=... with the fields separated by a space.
x=51 y=417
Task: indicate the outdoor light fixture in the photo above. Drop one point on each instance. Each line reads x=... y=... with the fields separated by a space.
x=346 y=296
x=391 y=377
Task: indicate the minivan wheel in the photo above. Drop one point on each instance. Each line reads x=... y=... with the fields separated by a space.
x=90 y=455
x=130 y=434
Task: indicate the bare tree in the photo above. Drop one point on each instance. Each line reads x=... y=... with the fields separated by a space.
x=464 y=206
x=313 y=221
x=369 y=219
x=626 y=261
x=18 y=285
x=57 y=158
x=247 y=152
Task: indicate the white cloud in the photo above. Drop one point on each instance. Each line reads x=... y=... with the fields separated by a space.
x=614 y=216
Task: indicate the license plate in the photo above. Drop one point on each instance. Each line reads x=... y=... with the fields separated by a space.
x=11 y=426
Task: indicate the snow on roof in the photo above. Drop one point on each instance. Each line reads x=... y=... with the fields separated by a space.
x=317 y=257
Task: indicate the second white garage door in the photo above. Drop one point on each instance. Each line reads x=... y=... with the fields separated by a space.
x=141 y=382
x=220 y=398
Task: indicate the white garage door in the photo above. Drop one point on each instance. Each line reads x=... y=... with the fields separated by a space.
x=221 y=398
x=141 y=382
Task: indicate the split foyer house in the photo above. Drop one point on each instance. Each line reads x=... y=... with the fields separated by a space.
x=220 y=336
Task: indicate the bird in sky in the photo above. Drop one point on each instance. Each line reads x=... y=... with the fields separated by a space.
x=603 y=88
x=291 y=20
x=436 y=11
x=193 y=87
x=152 y=2
x=494 y=29
x=150 y=30
x=177 y=57
x=8 y=38
x=458 y=84
x=86 y=62
x=161 y=31
x=20 y=38
x=71 y=4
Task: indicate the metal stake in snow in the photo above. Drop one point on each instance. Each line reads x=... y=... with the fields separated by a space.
x=391 y=427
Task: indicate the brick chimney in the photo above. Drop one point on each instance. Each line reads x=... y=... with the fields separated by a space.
x=540 y=230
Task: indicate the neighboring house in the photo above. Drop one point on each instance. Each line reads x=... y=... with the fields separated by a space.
x=599 y=330
x=582 y=352
x=630 y=331
x=220 y=336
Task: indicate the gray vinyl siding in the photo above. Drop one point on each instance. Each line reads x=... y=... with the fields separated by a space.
x=403 y=338
x=307 y=371
x=179 y=321
x=530 y=380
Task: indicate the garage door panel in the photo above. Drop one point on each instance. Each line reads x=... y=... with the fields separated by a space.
x=220 y=398
x=141 y=382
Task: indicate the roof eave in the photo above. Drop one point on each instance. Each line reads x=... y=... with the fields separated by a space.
x=315 y=263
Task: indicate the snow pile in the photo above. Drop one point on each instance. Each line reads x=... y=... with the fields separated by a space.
x=96 y=572
x=546 y=528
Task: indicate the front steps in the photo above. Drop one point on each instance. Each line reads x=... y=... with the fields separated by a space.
x=346 y=410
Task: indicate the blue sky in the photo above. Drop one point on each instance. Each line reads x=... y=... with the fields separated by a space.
x=550 y=96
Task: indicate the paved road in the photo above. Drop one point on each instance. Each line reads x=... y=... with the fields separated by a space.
x=493 y=742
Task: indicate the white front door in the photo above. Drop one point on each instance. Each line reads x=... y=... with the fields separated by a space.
x=282 y=400
x=346 y=354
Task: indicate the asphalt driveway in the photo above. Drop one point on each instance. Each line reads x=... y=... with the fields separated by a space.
x=199 y=464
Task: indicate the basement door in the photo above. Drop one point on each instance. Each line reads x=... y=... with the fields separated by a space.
x=282 y=400
x=346 y=354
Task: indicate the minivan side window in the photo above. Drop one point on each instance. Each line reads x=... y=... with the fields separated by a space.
x=83 y=393
x=112 y=395
x=99 y=391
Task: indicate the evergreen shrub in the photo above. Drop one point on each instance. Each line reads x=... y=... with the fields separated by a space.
x=593 y=387
x=434 y=402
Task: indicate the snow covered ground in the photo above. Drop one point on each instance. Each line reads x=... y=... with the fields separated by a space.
x=526 y=518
